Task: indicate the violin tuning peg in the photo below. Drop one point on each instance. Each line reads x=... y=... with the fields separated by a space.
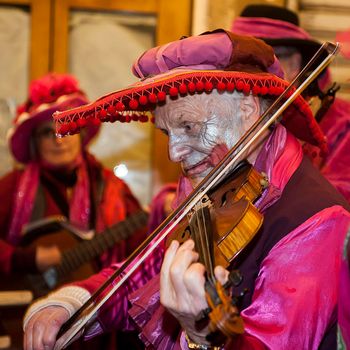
x=235 y=277
x=203 y=315
x=238 y=299
x=264 y=182
x=244 y=292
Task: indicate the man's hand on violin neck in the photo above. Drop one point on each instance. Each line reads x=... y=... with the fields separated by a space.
x=182 y=287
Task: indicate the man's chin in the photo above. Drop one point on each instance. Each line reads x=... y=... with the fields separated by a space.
x=195 y=179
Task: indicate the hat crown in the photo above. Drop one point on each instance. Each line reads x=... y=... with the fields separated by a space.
x=53 y=92
x=216 y=50
x=46 y=90
x=271 y=11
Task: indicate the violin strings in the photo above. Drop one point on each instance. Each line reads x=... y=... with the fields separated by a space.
x=204 y=240
x=209 y=244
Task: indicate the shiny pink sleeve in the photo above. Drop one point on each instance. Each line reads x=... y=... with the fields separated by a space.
x=114 y=313
x=296 y=291
x=344 y=300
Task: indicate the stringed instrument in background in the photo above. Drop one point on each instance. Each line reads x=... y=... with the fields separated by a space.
x=79 y=249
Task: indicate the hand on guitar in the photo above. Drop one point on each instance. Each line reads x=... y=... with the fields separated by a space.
x=182 y=287
x=41 y=330
x=47 y=256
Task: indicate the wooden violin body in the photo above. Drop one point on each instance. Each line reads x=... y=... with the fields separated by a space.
x=234 y=218
x=221 y=226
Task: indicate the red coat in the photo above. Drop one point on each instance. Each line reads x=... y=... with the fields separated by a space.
x=114 y=201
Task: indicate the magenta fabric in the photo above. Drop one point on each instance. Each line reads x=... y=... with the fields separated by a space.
x=19 y=136
x=278 y=161
x=344 y=297
x=186 y=53
x=269 y=322
x=157 y=214
x=336 y=126
x=114 y=314
x=335 y=166
x=26 y=192
x=203 y=52
x=268 y=28
x=343 y=37
x=287 y=312
x=80 y=206
x=283 y=151
x=47 y=94
x=23 y=202
x=18 y=190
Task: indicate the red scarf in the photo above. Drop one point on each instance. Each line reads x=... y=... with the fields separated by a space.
x=79 y=205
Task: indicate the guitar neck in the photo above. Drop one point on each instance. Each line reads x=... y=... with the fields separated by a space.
x=90 y=249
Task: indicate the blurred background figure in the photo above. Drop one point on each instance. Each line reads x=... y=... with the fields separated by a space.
x=294 y=47
x=58 y=176
x=161 y=205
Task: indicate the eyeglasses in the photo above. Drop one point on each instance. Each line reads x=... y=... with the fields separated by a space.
x=45 y=133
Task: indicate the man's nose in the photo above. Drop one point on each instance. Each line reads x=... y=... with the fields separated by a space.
x=177 y=150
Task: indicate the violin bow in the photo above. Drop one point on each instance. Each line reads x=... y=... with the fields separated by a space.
x=80 y=319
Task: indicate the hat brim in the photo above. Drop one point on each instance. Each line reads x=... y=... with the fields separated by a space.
x=19 y=137
x=130 y=104
x=307 y=48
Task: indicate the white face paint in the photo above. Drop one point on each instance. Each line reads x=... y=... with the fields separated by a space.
x=201 y=128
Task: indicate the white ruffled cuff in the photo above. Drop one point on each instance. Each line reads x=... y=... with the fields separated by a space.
x=71 y=298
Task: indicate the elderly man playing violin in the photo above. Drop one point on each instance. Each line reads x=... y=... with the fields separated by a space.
x=204 y=92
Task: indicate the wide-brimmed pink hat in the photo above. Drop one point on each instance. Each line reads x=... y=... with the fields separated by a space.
x=218 y=60
x=53 y=92
x=277 y=26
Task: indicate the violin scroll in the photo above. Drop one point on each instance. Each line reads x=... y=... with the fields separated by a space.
x=224 y=316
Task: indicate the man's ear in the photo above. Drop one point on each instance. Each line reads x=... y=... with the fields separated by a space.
x=249 y=110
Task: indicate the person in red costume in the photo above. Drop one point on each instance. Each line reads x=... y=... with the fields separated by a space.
x=57 y=176
x=294 y=47
x=204 y=93
x=161 y=205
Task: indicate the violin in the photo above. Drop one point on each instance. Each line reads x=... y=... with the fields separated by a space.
x=227 y=214
x=225 y=316
x=221 y=225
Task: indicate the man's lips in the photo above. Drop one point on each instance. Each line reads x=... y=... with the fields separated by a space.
x=197 y=168
x=217 y=153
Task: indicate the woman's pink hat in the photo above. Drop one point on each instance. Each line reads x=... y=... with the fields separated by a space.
x=218 y=60
x=277 y=26
x=53 y=92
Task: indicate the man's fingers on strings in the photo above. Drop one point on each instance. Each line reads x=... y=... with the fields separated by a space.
x=221 y=274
